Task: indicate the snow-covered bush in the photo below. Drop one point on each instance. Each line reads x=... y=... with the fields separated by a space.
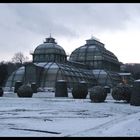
x=121 y=92
x=25 y=91
x=97 y=94
x=80 y=90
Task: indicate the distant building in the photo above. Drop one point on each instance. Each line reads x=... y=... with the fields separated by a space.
x=126 y=77
x=91 y=62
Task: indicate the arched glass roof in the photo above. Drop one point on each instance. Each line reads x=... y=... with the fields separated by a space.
x=48 y=48
x=94 y=54
x=107 y=78
x=51 y=73
x=17 y=75
x=63 y=71
x=49 y=51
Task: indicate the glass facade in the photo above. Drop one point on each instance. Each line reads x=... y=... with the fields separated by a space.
x=95 y=55
x=17 y=75
x=51 y=72
x=62 y=71
x=107 y=78
x=49 y=51
x=91 y=63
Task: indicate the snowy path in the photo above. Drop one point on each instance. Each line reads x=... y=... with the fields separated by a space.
x=45 y=115
x=104 y=128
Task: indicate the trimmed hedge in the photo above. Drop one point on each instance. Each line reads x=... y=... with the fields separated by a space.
x=122 y=92
x=25 y=91
x=97 y=94
x=61 y=88
x=80 y=90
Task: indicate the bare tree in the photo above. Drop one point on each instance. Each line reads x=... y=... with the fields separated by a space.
x=19 y=58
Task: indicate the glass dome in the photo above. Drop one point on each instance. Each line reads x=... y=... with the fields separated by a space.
x=49 y=51
x=95 y=55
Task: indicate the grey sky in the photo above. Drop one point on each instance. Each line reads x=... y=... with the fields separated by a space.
x=24 y=26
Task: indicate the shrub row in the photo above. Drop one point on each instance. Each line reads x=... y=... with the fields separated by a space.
x=80 y=91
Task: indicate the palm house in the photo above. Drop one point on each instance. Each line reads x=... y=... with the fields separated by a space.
x=91 y=63
x=104 y=64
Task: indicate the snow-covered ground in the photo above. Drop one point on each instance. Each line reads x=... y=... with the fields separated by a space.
x=44 y=115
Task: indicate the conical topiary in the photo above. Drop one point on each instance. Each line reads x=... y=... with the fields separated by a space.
x=25 y=91
x=80 y=90
x=97 y=94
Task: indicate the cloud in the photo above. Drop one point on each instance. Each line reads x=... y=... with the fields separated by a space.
x=37 y=19
x=79 y=16
x=68 y=19
x=23 y=25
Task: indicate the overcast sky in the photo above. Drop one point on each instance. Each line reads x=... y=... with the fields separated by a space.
x=24 y=26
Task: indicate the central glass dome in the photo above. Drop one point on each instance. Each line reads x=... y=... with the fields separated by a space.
x=49 y=51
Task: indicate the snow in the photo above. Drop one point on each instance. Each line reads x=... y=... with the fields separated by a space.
x=45 y=115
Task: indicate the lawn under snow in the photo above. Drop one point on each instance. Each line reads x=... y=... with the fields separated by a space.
x=45 y=115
